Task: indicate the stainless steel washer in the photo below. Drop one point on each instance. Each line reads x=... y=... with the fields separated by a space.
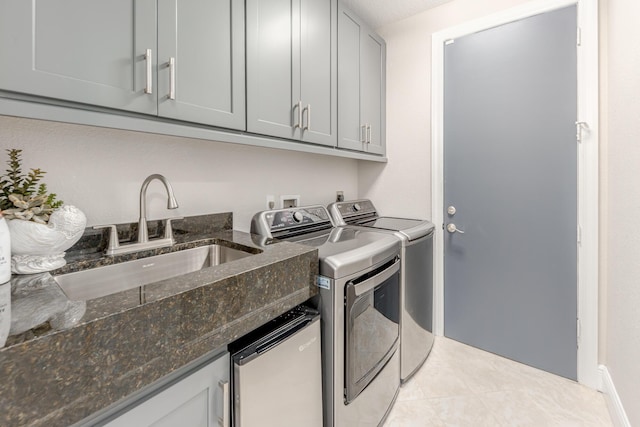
x=359 y=301
x=416 y=330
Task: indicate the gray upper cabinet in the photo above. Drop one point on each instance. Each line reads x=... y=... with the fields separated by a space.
x=361 y=85
x=88 y=51
x=302 y=70
x=116 y=54
x=201 y=61
x=292 y=69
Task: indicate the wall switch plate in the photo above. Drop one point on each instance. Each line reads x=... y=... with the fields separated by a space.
x=289 y=201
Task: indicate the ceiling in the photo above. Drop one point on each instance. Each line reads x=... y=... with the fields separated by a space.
x=378 y=13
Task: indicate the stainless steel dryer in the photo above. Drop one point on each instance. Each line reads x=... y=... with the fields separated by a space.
x=359 y=301
x=416 y=330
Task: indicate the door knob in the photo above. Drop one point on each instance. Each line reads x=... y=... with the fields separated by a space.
x=451 y=210
x=451 y=228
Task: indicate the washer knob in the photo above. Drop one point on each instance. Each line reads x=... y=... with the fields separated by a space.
x=297 y=216
x=356 y=207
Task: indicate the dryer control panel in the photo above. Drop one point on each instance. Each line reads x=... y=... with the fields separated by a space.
x=352 y=211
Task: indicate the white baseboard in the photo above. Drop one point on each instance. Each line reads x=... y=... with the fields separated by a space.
x=618 y=415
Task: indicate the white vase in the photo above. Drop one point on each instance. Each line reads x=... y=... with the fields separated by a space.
x=36 y=248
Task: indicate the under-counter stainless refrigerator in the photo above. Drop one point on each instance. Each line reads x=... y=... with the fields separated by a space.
x=277 y=373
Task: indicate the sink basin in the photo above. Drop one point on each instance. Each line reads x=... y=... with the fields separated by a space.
x=102 y=281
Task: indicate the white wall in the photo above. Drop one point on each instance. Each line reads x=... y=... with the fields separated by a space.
x=623 y=209
x=403 y=185
x=100 y=170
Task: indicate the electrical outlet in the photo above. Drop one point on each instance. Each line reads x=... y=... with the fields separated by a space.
x=271 y=201
x=289 y=201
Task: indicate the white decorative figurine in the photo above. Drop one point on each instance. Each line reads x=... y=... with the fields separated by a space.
x=40 y=247
x=41 y=227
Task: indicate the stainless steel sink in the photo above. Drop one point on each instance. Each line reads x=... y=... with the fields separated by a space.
x=102 y=281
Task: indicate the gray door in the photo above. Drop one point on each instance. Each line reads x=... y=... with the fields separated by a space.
x=271 y=68
x=318 y=71
x=350 y=29
x=373 y=62
x=361 y=85
x=510 y=171
x=205 y=38
x=291 y=69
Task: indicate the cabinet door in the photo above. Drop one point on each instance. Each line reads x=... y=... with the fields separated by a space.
x=318 y=70
x=350 y=131
x=271 y=89
x=195 y=401
x=88 y=51
x=372 y=82
x=361 y=85
x=205 y=40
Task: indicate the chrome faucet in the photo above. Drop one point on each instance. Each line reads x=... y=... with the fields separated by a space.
x=143 y=233
x=114 y=247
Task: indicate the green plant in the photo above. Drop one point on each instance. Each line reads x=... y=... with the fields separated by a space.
x=24 y=196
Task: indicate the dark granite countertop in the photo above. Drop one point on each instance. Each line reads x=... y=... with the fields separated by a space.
x=64 y=360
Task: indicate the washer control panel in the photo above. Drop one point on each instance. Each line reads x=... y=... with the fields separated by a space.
x=267 y=223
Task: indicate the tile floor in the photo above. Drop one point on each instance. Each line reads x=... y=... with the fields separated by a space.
x=462 y=386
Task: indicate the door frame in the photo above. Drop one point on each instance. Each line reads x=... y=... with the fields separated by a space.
x=588 y=188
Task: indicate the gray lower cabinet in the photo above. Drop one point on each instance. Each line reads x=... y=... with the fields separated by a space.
x=117 y=54
x=292 y=70
x=361 y=85
x=201 y=399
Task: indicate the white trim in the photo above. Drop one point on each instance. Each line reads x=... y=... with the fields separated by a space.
x=616 y=410
x=587 y=354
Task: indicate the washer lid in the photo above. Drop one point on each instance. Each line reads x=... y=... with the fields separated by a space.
x=349 y=250
x=412 y=228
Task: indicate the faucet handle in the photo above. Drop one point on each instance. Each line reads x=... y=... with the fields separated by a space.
x=114 y=243
x=168 y=230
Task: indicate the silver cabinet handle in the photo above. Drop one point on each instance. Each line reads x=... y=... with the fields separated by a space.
x=308 y=110
x=224 y=420
x=172 y=78
x=299 y=107
x=368 y=134
x=148 y=58
x=451 y=228
x=363 y=134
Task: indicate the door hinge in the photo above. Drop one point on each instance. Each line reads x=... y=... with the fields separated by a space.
x=579 y=36
x=578 y=331
x=580 y=126
x=579 y=235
